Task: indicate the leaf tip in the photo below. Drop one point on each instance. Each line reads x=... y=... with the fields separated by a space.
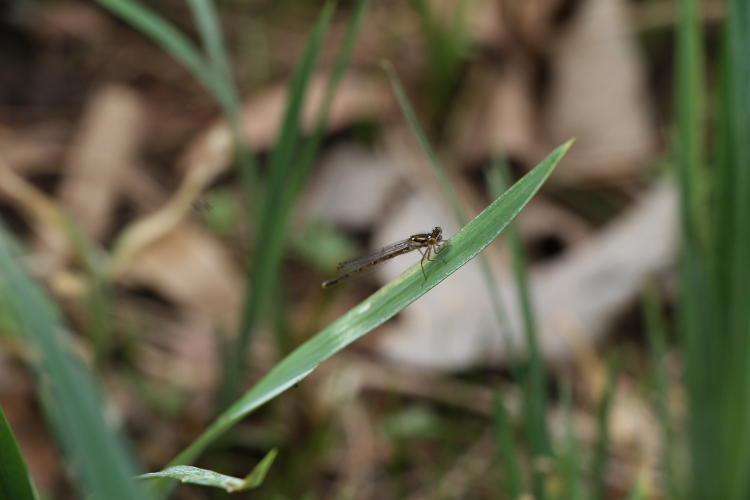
x=567 y=145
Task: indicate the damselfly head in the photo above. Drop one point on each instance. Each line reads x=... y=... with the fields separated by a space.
x=437 y=233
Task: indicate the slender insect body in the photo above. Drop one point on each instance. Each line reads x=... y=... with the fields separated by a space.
x=428 y=244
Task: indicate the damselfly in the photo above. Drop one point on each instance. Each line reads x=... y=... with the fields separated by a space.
x=428 y=245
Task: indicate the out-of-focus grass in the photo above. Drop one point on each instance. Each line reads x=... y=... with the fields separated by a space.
x=382 y=305
x=715 y=270
x=265 y=258
x=506 y=444
x=71 y=402
x=533 y=378
x=15 y=482
x=601 y=449
x=657 y=335
x=447 y=44
x=290 y=167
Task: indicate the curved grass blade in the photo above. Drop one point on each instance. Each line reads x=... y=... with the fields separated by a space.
x=73 y=406
x=383 y=304
x=170 y=39
x=15 y=482
x=204 y=477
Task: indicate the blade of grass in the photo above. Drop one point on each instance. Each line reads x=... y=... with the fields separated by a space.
x=715 y=291
x=571 y=459
x=15 y=483
x=640 y=490
x=214 y=74
x=601 y=451
x=689 y=104
x=507 y=449
x=697 y=311
x=382 y=305
x=731 y=249
x=656 y=332
x=306 y=157
x=446 y=188
x=447 y=46
x=535 y=393
x=204 y=477
x=266 y=260
x=98 y=456
x=172 y=41
x=533 y=380
x=206 y=18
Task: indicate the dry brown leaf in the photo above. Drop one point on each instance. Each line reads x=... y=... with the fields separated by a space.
x=496 y=111
x=184 y=351
x=352 y=188
x=105 y=146
x=598 y=96
x=358 y=97
x=192 y=269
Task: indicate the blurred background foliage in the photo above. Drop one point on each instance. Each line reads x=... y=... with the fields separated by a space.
x=178 y=177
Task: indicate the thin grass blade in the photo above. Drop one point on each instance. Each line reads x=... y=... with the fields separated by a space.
x=383 y=304
x=601 y=450
x=205 y=477
x=570 y=461
x=169 y=38
x=15 y=482
x=535 y=392
x=266 y=258
x=656 y=333
x=506 y=447
x=104 y=465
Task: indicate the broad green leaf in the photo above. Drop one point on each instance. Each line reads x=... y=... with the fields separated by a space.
x=15 y=483
x=196 y=475
x=383 y=304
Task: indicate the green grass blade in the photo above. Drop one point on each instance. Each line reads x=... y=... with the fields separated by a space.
x=697 y=309
x=507 y=449
x=214 y=74
x=98 y=456
x=689 y=106
x=228 y=99
x=447 y=47
x=206 y=18
x=383 y=304
x=305 y=162
x=15 y=483
x=535 y=393
x=170 y=39
x=204 y=477
x=446 y=188
x=640 y=490
x=601 y=451
x=731 y=254
x=656 y=332
x=267 y=257
x=570 y=462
